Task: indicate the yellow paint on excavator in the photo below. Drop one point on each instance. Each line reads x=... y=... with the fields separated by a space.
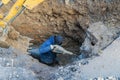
x=30 y=4
x=2 y=24
x=5 y=1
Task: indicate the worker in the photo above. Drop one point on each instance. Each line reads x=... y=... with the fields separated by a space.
x=46 y=53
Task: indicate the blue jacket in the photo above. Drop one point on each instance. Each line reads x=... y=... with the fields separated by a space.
x=46 y=55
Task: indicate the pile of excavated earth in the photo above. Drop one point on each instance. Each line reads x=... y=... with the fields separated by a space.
x=91 y=29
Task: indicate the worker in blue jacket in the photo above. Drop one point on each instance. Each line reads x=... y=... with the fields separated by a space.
x=46 y=53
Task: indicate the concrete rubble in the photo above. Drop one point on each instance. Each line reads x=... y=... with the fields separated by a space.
x=17 y=65
x=99 y=37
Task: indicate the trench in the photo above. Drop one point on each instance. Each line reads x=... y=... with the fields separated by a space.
x=71 y=19
x=65 y=59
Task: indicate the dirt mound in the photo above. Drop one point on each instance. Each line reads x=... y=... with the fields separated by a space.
x=14 y=39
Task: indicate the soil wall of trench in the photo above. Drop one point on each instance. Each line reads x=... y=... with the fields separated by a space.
x=69 y=18
x=65 y=17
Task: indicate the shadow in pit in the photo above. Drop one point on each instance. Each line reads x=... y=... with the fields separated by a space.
x=63 y=59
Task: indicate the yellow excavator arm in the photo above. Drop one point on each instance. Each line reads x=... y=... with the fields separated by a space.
x=16 y=9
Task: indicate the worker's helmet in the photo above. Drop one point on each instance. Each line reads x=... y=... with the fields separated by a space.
x=58 y=40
